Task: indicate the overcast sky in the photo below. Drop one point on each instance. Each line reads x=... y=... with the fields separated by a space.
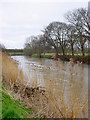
x=20 y=19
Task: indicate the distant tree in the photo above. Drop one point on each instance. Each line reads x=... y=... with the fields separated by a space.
x=35 y=44
x=71 y=34
x=62 y=37
x=40 y=45
x=80 y=20
x=49 y=34
x=55 y=35
x=28 y=46
x=2 y=48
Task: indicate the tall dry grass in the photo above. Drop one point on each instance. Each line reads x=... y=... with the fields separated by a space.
x=72 y=104
x=70 y=99
x=10 y=71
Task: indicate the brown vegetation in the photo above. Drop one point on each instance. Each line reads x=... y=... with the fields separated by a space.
x=10 y=71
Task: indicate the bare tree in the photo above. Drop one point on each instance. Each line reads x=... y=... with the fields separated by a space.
x=29 y=44
x=50 y=35
x=55 y=34
x=71 y=33
x=62 y=37
x=35 y=44
x=40 y=45
x=79 y=19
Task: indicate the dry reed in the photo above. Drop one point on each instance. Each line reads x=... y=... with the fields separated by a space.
x=10 y=71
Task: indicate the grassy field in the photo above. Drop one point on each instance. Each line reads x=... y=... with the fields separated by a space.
x=15 y=53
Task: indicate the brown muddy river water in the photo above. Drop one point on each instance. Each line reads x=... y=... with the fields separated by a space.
x=61 y=79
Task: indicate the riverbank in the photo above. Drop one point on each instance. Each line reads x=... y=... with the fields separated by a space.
x=14 y=51
x=12 y=108
x=14 y=105
x=77 y=57
x=84 y=59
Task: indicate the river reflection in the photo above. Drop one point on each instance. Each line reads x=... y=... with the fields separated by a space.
x=57 y=77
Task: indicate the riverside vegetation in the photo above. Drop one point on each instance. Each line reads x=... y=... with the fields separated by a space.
x=33 y=102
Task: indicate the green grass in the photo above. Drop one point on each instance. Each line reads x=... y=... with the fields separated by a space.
x=35 y=55
x=0 y=105
x=79 y=54
x=15 y=53
x=43 y=56
x=12 y=108
x=47 y=55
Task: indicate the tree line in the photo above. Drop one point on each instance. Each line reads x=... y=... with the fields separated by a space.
x=60 y=37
